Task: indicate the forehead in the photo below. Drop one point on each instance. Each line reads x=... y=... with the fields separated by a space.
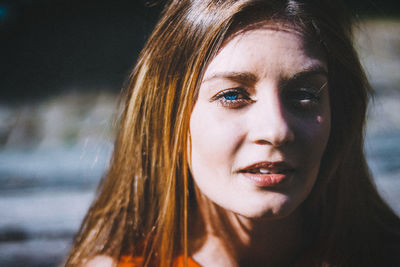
x=266 y=49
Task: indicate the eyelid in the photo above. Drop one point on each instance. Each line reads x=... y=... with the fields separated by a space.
x=308 y=80
x=309 y=89
x=306 y=87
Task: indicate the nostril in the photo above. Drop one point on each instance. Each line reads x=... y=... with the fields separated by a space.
x=273 y=136
x=273 y=142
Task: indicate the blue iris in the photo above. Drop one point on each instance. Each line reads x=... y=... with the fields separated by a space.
x=231 y=96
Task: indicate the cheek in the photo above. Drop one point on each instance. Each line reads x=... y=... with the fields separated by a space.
x=311 y=138
x=213 y=139
x=322 y=129
x=317 y=132
x=315 y=135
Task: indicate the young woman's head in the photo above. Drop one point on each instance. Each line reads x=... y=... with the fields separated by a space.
x=261 y=121
x=257 y=105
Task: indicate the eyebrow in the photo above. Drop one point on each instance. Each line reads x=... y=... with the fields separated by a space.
x=311 y=71
x=242 y=77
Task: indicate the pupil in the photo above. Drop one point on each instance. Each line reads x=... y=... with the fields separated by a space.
x=231 y=96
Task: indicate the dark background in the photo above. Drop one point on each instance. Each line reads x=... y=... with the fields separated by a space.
x=51 y=45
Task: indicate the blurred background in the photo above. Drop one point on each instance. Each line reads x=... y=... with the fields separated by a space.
x=62 y=66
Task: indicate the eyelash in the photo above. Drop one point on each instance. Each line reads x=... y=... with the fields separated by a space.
x=241 y=98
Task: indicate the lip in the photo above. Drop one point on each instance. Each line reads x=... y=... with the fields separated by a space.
x=278 y=173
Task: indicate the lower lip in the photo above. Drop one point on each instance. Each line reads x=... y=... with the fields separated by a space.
x=266 y=180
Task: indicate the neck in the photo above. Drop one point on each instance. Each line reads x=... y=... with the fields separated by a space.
x=222 y=238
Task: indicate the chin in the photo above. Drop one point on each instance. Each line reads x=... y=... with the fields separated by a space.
x=278 y=208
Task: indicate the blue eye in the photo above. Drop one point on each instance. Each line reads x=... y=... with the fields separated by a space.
x=232 y=98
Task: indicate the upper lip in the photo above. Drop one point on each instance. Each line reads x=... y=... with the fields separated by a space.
x=271 y=166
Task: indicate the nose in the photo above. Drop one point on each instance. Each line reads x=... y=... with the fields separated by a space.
x=270 y=123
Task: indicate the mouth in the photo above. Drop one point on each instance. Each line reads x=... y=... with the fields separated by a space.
x=267 y=174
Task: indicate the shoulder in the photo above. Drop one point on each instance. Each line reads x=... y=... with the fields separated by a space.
x=101 y=261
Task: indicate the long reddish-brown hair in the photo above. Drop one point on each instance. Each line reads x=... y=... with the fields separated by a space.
x=142 y=207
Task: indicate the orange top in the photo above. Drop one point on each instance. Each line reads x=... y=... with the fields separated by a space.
x=128 y=261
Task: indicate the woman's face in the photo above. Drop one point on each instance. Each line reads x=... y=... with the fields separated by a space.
x=261 y=123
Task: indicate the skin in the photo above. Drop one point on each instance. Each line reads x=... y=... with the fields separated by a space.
x=100 y=261
x=264 y=98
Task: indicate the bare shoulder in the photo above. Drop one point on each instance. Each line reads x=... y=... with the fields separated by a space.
x=101 y=261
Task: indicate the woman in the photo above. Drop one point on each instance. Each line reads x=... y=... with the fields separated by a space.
x=241 y=144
